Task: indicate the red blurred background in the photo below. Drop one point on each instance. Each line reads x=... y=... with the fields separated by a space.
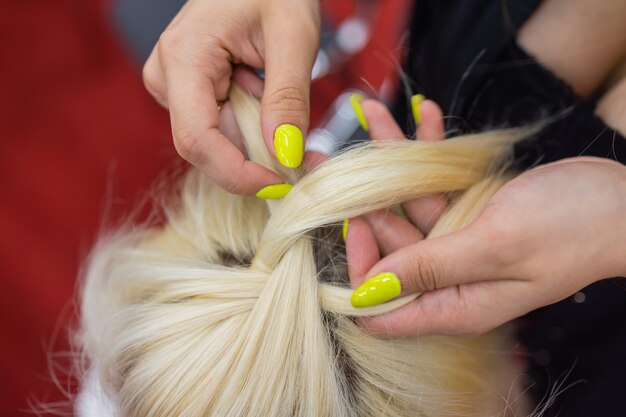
x=80 y=141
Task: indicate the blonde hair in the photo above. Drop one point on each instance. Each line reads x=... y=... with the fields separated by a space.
x=240 y=307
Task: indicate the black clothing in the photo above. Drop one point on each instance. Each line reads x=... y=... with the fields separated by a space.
x=464 y=56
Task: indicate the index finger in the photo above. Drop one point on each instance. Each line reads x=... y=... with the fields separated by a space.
x=195 y=127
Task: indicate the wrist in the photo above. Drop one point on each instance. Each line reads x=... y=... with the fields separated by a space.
x=617 y=247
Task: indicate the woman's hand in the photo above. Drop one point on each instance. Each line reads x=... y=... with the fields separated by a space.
x=543 y=236
x=189 y=72
x=383 y=232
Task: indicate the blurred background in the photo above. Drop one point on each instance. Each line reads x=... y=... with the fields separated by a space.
x=82 y=142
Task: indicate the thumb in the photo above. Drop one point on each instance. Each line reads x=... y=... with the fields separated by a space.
x=428 y=265
x=290 y=50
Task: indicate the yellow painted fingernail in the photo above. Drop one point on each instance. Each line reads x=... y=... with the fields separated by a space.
x=344 y=229
x=376 y=290
x=356 y=100
x=274 y=191
x=289 y=145
x=416 y=100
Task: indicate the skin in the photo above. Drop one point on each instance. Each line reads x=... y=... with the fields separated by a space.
x=190 y=70
x=582 y=41
x=526 y=250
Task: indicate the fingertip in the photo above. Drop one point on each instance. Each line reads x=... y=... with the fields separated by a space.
x=416 y=101
x=356 y=101
x=431 y=110
x=372 y=107
x=289 y=145
x=431 y=127
x=248 y=180
x=381 y=123
x=376 y=290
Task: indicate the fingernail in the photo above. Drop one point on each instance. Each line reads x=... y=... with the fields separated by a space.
x=274 y=191
x=416 y=100
x=289 y=145
x=356 y=100
x=344 y=229
x=376 y=290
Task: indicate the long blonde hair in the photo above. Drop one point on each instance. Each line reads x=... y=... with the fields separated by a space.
x=240 y=307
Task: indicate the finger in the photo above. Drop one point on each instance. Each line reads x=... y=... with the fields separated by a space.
x=464 y=310
x=195 y=124
x=247 y=79
x=424 y=212
x=154 y=79
x=381 y=124
x=431 y=127
x=290 y=50
x=229 y=127
x=392 y=232
x=361 y=250
x=382 y=228
x=312 y=159
x=428 y=265
x=250 y=82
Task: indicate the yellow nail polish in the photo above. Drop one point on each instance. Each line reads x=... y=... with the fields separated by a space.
x=274 y=191
x=376 y=290
x=356 y=100
x=416 y=100
x=344 y=229
x=289 y=145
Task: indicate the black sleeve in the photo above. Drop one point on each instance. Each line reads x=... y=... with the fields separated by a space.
x=518 y=91
x=464 y=55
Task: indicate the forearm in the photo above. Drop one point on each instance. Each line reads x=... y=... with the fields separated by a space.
x=581 y=41
x=612 y=108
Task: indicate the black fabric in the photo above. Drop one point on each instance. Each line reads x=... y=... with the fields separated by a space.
x=464 y=55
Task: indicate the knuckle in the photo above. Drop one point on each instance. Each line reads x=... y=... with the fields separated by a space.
x=151 y=79
x=226 y=27
x=189 y=147
x=206 y=54
x=289 y=99
x=186 y=144
x=426 y=274
x=501 y=243
x=232 y=184
x=169 y=42
x=470 y=317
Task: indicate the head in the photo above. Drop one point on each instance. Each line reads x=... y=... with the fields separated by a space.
x=240 y=307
